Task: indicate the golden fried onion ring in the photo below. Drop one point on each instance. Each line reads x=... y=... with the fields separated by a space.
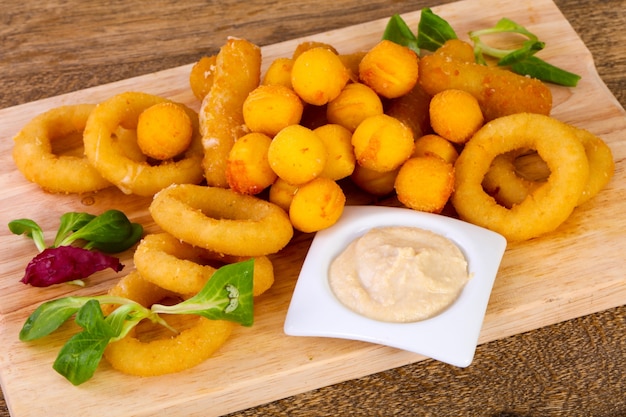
x=34 y=157
x=601 y=163
x=129 y=175
x=509 y=188
x=504 y=184
x=547 y=207
x=183 y=267
x=222 y=220
x=160 y=356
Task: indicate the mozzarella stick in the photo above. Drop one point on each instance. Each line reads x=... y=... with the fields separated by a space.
x=237 y=73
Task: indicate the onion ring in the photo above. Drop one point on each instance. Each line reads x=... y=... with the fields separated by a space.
x=601 y=163
x=221 y=220
x=182 y=268
x=34 y=157
x=504 y=184
x=547 y=207
x=188 y=348
x=129 y=175
x=509 y=188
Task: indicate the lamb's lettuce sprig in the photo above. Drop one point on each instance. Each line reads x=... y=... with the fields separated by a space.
x=226 y=296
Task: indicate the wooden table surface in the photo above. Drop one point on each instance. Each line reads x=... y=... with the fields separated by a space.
x=574 y=368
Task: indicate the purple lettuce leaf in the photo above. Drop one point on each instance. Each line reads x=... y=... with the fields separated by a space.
x=66 y=263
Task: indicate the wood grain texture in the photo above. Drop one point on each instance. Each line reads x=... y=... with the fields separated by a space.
x=517 y=305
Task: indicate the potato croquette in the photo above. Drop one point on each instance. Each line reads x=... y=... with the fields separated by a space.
x=248 y=170
x=317 y=205
x=270 y=108
x=338 y=141
x=164 y=130
x=455 y=115
x=425 y=183
x=355 y=103
x=435 y=145
x=382 y=143
x=374 y=182
x=390 y=69
x=281 y=193
x=297 y=154
x=318 y=75
x=279 y=73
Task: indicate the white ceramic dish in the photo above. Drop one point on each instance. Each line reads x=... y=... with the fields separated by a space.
x=450 y=337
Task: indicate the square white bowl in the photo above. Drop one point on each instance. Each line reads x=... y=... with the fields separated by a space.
x=449 y=337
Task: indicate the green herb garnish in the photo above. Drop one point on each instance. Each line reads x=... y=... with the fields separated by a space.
x=76 y=250
x=433 y=31
x=521 y=60
x=399 y=32
x=226 y=296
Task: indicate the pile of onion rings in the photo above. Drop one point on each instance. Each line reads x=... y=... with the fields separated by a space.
x=547 y=206
x=168 y=266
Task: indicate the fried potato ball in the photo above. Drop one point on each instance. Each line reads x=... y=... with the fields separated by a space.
x=164 y=130
x=338 y=142
x=317 y=205
x=297 y=154
x=281 y=193
x=318 y=75
x=355 y=103
x=455 y=115
x=270 y=108
x=201 y=76
x=374 y=182
x=425 y=183
x=279 y=73
x=390 y=69
x=382 y=143
x=248 y=169
x=435 y=145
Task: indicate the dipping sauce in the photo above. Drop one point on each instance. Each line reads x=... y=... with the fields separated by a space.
x=399 y=274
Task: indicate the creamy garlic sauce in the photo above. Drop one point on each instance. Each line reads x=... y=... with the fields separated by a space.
x=399 y=274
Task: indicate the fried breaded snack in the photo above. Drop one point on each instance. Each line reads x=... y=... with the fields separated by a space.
x=499 y=91
x=425 y=183
x=237 y=73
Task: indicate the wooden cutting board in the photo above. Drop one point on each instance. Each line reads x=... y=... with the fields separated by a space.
x=573 y=272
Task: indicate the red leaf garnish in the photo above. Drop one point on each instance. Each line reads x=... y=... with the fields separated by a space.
x=67 y=263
